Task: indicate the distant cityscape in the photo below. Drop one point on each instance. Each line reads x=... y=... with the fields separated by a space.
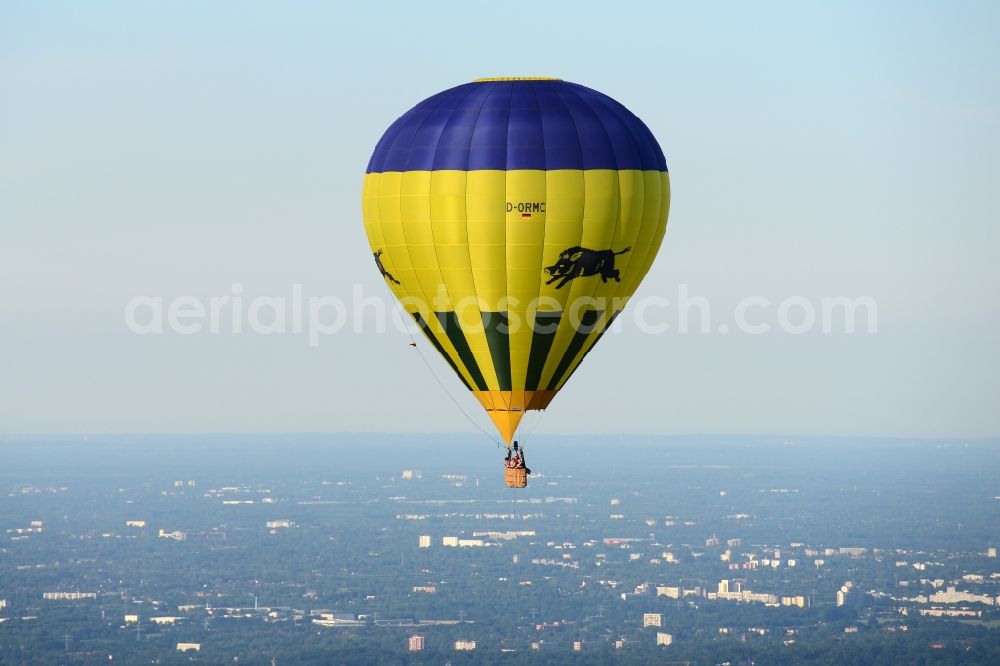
x=130 y=564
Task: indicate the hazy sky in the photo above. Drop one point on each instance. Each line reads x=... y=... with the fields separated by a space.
x=815 y=149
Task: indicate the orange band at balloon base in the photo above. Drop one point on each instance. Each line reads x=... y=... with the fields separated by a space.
x=506 y=408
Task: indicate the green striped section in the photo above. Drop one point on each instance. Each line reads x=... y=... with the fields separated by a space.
x=497 y=326
x=587 y=321
x=449 y=321
x=422 y=323
x=597 y=337
x=546 y=324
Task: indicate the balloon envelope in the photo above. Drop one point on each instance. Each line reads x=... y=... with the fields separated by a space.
x=513 y=218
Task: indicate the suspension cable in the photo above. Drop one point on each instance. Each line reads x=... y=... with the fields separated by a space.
x=448 y=393
x=413 y=342
x=529 y=431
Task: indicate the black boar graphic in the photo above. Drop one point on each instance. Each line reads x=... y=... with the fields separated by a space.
x=580 y=262
x=386 y=274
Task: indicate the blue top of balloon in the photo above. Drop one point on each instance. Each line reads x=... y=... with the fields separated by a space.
x=517 y=123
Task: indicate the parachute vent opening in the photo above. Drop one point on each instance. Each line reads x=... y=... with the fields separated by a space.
x=516 y=78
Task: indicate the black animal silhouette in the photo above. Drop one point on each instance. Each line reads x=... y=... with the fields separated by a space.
x=381 y=269
x=578 y=261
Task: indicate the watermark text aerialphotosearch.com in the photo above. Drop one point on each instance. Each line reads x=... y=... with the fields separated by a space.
x=319 y=316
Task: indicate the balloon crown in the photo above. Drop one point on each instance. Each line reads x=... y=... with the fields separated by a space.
x=516 y=78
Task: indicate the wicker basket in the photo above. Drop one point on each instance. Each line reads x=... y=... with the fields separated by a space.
x=516 y=477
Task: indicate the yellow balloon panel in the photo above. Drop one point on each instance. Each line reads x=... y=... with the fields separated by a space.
x=645 y=238
x=515 y=274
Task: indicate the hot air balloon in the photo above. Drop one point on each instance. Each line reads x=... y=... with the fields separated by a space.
x=513 y=218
